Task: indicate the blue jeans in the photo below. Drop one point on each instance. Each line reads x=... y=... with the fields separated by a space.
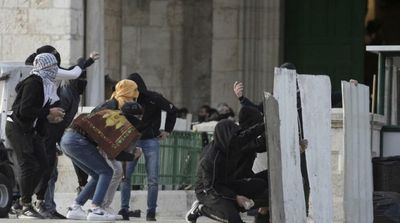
x=86 y=156
x=151 y=152
x=49 y=202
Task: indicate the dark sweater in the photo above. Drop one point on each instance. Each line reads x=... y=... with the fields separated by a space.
x=152 y=103
x=28 y=104
x=220 y=159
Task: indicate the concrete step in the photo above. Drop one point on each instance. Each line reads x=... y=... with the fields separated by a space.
x=170 y=203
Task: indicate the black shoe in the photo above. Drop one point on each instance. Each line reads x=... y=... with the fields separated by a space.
x=56 y=215
x=193 y=213
x=135 y=213
x=28 y=212
x=151 y=216
x=261 y=218
x=15 y=209
x=124 y=213
x=41 y=209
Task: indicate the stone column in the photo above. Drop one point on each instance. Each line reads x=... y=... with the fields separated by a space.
x=225 y=51
x=95 y=41
x=262 y=44
x=247 y=45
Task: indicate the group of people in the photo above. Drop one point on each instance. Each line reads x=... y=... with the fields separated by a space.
x=42 y=118
x=226 y=184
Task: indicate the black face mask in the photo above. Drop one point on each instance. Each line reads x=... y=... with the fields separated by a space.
x=81 y=85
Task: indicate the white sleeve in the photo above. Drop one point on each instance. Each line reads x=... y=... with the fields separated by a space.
x=68 y=74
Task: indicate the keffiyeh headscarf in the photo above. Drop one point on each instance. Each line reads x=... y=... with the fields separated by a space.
x=125 y=91
x=45 y=66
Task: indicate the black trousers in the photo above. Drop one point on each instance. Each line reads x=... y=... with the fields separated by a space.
x=51 y=154
x=32 y=160
x=224 y=209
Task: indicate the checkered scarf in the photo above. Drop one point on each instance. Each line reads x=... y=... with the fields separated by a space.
x=45 y=66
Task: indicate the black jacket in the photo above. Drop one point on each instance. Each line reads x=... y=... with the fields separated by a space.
x=28 y=105
x=220 y=159
x=69 y=101
x=153 y=103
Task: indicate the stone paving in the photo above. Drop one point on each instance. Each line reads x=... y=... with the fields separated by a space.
x=159 y=219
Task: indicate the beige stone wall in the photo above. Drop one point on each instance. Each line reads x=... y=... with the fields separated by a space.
x=225 y=51
x=152 y=44
x=28 y=24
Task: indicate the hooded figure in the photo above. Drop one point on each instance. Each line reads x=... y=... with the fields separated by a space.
x=25 y=126
x=153 y=103
x=218 y=189
x=249 y=116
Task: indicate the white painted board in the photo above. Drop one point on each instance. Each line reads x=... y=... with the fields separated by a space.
x=272 y=134
x=358 y=190
x=315 y=92
x=293 y=193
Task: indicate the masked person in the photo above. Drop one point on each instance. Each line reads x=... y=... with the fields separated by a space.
x=69 y=93
x=221 y=195
x=25 y=127
x=125 y=91
x=152 y=104
x=81 y=146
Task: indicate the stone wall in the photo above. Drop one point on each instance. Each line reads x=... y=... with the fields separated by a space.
x=112 y=38
x=197 y=39
x=152 y=44
x=246 y=46
x=26 y=25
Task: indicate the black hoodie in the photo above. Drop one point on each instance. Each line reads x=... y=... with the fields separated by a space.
x=219 y=161
x=153 y=103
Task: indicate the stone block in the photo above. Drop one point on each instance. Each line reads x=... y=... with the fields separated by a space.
x=77 y=20
x=158 y=13
x=15 y=3
x=49 y=21
x=175 y=15
x=41 y=3
x=225 y=56
x=225 y=23
x=155 y=38
x=226 y=3
x=221 y=87
x=130 y=46
x=63 y=4
x=14 y=50
x=135 y=12
x=14 y=21
x=76 y=4
x=112 y=7
x=113 y=51
x=112 y=28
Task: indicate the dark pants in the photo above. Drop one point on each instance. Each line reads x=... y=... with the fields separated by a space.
x=51 y=154
x=32 y=160
x=227 y=210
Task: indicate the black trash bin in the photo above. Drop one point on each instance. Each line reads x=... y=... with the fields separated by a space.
x=386 y=173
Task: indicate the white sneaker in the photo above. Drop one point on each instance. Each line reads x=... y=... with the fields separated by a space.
x=112 y=211
x=76 y=212
x=99 y=214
